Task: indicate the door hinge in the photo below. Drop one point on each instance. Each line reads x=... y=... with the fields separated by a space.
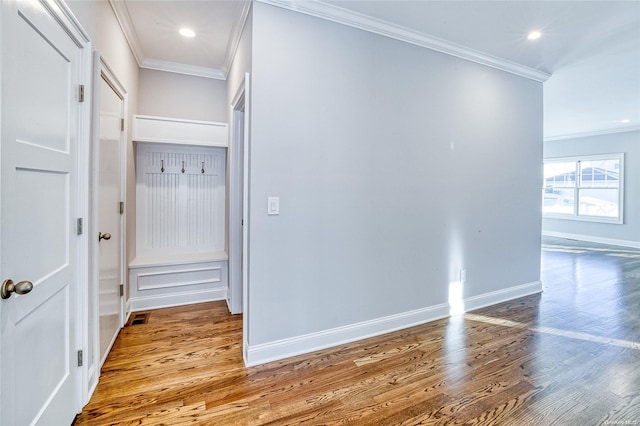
x=80 y=358
x=122 y=124
x=121 y=207
x=81 y=97
x=121 y=289
x=79 y=227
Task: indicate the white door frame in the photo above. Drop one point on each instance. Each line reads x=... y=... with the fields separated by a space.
x=239 y=196
x=101 y=70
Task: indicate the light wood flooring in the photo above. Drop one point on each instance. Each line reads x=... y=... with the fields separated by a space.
x=570 y=356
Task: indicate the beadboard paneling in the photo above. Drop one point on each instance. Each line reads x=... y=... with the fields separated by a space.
x=181 y=199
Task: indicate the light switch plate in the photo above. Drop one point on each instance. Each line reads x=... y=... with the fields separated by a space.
x=273 y=206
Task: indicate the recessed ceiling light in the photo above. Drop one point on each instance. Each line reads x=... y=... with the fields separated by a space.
x=534 y=35
x=625 y=121
x=187 y=32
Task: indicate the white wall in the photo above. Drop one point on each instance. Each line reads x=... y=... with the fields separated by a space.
x=98 y=19
x=625 y=234
x=395 y=166
x=167 y=94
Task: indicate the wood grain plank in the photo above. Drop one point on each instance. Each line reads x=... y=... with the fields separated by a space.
x=530 y=361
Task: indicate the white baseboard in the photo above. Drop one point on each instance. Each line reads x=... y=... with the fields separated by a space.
x=127 y=312
x=92 y=389
x=499 y=296
x=593 y=239
x=285 y=348
x=176 y=299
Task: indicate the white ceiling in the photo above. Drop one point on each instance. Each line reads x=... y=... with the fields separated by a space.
x=590 y=48
x=151 y=28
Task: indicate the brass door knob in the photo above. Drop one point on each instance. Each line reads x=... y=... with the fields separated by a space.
x=8 y=287
x=105 y=236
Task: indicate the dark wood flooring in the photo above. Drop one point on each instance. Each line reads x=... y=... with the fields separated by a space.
x=570 y=356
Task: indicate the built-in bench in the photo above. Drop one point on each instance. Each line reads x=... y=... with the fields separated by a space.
x=180 y=213
x=161 y=281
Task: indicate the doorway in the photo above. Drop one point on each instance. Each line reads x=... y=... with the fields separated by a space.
x=107 y=233
x=238 y=205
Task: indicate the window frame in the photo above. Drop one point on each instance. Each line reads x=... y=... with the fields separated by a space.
x=577 y=186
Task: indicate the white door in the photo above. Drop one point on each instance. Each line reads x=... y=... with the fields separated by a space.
x=109 y=195
x=41 y=70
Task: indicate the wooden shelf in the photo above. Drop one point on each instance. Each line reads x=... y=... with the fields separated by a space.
x=178 y=131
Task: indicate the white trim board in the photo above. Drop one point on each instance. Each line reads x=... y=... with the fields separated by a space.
x=159 y=130
x=503 y=295
x=285 y=348
x=178 y=68
x=126 y=25
x=610 y=131
x=176 y=299
x=234 y=40
x=593 y=239
x=343 y=16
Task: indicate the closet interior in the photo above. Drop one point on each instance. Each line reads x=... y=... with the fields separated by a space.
x=181 y=238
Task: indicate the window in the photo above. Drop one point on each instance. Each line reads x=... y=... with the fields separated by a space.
x=585 y=188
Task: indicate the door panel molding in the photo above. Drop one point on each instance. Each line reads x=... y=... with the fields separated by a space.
x=35 y=324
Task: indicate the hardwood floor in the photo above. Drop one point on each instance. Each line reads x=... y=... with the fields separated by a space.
x=570 y=356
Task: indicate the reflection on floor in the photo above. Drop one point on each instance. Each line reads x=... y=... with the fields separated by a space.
x=569 y=356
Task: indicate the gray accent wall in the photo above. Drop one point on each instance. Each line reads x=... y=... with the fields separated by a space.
x=396 y=166
x=627 y=233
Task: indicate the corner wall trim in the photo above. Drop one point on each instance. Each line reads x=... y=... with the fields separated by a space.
x=126 y=25
x=499 y=296
x=285 y=348
x=234 y=40
x=593 y=239
x=353 y=19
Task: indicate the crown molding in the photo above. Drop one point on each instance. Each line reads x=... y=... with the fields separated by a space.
x=343 y=16
x=601 y=132
x=175 y=67
x=124 y=20
x=128 y=29
x=234 y=39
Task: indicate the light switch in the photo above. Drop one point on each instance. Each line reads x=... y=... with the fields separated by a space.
x=273 y=206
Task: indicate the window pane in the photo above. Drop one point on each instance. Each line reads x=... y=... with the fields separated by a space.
x=613 y=173
x=560 y=174
x=558 y=200
x=599 y=202
x=586 y=174
x=600 y=173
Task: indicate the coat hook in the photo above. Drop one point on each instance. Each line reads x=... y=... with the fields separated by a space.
x=202 y=170
x=182 y=166
x=162 y=167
